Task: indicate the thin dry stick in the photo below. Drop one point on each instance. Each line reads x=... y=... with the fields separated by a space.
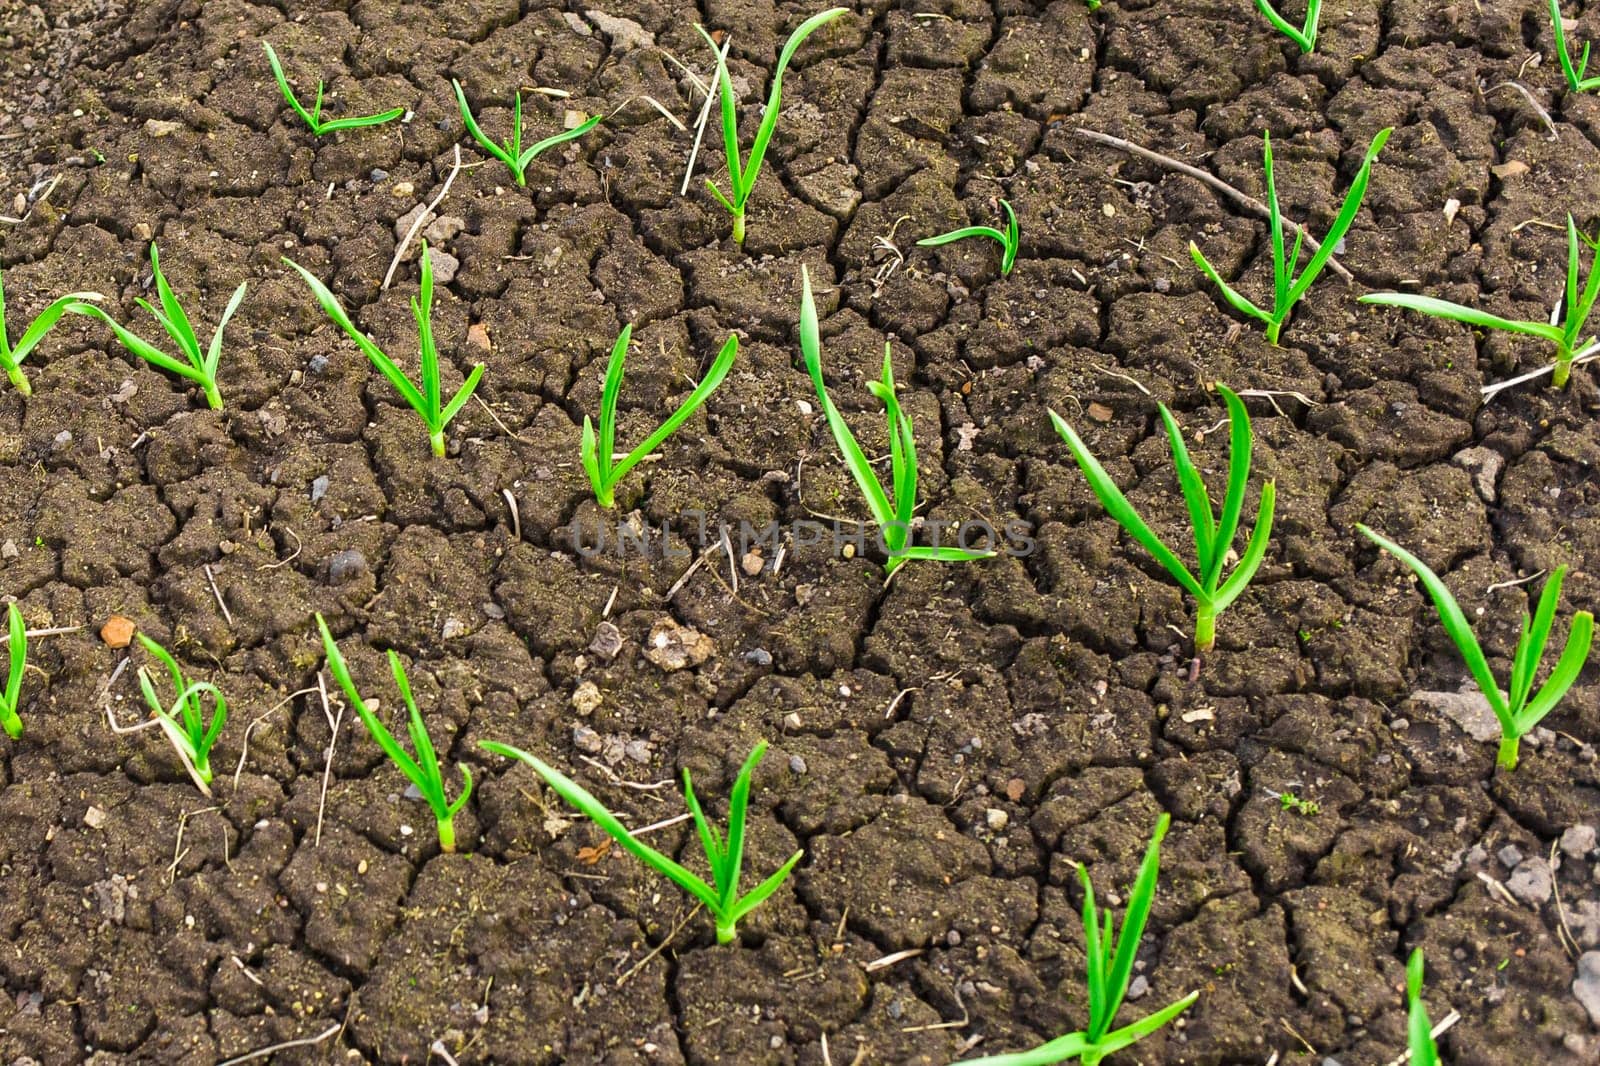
x=659 y=948
x=212 y=579
x=1526 y=95
x=417 y=223
x=1438 y=1031
x=268 y=713
x=309 y=1041
x=1244 y=200
x=292 y=558
x=29 y=634
x=700 y=124
x=1489 y=392
x=327 y=767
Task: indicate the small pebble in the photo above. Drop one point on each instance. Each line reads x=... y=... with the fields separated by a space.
x=319 y=488
x=1509 y=855
x=379 y=174
x=797 y=765
x=118 y=631
x=758 y=657
x=346 y=565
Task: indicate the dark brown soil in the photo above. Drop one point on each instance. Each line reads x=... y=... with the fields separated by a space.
x=944 y=750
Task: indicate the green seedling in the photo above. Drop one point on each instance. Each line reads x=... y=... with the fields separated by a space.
x=11 y=698
x=1521 y=708
x=597 y=453
x=511 y=153
x=1304 y=35
x=1419 y=1030
x=724 y=856
x=1008 y=239
x=742 y=177
x=893 y=517
x=313 y=118
x=423 y=771
x=1213 y=537
x=1286 y=288
x=1288 y=801
x=1564 y=332
x=196 y=366
x=184 y=722
x=1109 y=968
x=426 y=400
x=11 y=357
x=1575 y=79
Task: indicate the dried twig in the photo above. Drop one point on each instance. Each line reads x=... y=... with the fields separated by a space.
x=310 y=1041
x=418 y=222
x=212 y=578
x=1242 y=199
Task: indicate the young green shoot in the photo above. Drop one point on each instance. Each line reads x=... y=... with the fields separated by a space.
x=1008 y=239
x=1286 y=288
x=1419 y=1030
x=184 y=721
x=1304 y=35
x=11 y=698
x=597 y=452
x=893 y=516
x=1563 y=333
x=1213 y=537
x=511 y=153
x=423 y=771
x=1520 y=709
x=725 y=855
x=313 y=118
x=1109 y=969
x=1288 y=801
x=11 y=357
x=195 y=366
x=742 y=177
x=1575 y=79
x=427 y=400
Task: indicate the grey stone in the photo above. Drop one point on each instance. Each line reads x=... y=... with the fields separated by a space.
x=319 y=488
x=1485 y=465
x=1509 y=855
x=625 y=34
x=1532 y=881
x=346 y=565
x=1586 y=986
x=1578 y=841
x=1467 y=709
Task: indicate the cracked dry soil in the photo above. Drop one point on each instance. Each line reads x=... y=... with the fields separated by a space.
x=944 y=749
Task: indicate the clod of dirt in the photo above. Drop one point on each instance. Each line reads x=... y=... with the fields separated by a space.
x=673 y=647
x=1586 y=986
x=1467 y=708
x=118 y=631
x=625 y=34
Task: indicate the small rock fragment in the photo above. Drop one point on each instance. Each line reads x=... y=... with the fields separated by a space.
x=443 y=229
x=1100 y=412
x=752 y=563
x=445 y=266
x=8 y=550
x=94 y=818
x=1586 y=987
x=607 y=641
x=625 y=34
x=1467 y=708
x=586 y=740
x=1532 y=881
x=118 y=631
x=1578 y=841
x=587 y=699
x=478 y=336
x=1485 y=465
x=1015 y=788
x=346 y=565
x=319 y=487
x=159 y=127
x=674 y=647
x=996 y=819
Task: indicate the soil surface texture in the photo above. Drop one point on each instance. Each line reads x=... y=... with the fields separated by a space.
x=945 y=749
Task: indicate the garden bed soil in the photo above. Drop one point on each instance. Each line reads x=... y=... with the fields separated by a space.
x=944 y=749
